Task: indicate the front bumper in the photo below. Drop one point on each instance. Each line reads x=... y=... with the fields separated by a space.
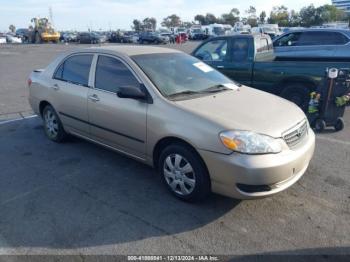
x=269 y=174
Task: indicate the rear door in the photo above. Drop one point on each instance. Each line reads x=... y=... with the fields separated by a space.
x=316 y=44
x=117 y=122
x=70 y=89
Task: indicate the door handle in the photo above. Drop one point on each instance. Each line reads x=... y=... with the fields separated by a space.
x=220 y=66
x=55 y=87
x=94 y=98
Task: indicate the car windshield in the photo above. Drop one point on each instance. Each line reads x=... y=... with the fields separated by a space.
x=178 y=75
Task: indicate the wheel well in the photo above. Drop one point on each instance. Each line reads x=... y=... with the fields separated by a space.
x=297 y=81
x=164 y=142
x=42 y=105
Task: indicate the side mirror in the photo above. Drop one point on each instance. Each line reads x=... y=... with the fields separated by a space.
x=132 y=92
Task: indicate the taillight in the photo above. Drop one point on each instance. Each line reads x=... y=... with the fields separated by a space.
x=29 y=82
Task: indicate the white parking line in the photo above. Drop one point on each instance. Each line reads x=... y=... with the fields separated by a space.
x=17 y=119
x=333 y=140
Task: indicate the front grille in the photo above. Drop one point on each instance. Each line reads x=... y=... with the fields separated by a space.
x=296 y=134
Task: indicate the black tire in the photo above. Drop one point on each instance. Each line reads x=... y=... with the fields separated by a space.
x=339 y=125
x=298 y=94
x=199 y=174
x=56 y=131
x=320 y=125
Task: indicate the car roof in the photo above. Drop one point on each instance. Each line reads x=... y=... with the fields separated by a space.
x=130 y=50
x=344 y=31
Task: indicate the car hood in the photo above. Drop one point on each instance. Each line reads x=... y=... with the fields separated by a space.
x=247 y=109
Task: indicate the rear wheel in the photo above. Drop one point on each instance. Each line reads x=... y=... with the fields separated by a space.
x=184 y=173
x=52 y=125
x=298 y=94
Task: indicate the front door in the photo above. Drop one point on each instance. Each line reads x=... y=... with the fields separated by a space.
x=114 y=121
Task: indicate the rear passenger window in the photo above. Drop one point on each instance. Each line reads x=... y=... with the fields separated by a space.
x=322 y=38
x=240 y=50
x=112 y=74
x=262 y=45
x=75 y=69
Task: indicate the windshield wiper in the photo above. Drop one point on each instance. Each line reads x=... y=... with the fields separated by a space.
x=186 y=92
x=215 y=89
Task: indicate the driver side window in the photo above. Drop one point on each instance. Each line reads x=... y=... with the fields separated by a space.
x=215 y=50
x=112 y=74
x=291 y=39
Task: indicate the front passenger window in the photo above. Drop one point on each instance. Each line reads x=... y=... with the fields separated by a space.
x=112 y=74
x=291 y=39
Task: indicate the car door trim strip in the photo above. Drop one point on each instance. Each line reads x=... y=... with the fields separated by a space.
x=103 y=128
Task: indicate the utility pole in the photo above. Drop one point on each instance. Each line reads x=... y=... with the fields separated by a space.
x=51 y=16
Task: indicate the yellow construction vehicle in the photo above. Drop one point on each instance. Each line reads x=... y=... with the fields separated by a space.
x=42 y=31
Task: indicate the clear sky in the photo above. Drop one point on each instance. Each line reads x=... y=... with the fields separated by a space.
x=105 y=14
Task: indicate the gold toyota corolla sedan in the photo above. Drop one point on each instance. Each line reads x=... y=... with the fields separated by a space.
x=201 y=130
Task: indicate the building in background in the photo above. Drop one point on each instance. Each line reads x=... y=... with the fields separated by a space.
x=342 y=4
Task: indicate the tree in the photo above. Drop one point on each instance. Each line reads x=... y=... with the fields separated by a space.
x=200 y=19
x=12 y=28
x=279 y=15
x=308 y=16
x=210 y=18
x=235 y=12
x=252 y=18
x=329 y=13
x=137 y=25
x=187 y=24
x=149 y=23
x=171 y=21
x=294 y=18
x=207 y=19
x=230 y=18
x=262 y=17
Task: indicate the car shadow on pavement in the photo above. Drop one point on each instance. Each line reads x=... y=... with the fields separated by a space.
x=78 y=194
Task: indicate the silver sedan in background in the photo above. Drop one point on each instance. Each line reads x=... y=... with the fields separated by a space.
x=313 y=43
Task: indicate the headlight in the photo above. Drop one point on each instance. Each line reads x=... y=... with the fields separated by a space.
x=248 y=142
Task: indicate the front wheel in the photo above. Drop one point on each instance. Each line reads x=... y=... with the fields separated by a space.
x=52 y=125
x=184 y=173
